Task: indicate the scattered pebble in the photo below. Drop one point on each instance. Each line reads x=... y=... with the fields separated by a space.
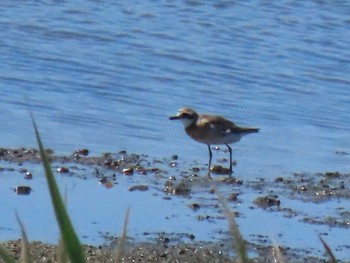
x=23 y=190
x=23 y=170
x=195 y=169
x=28 y=176
x=179 y=189
x=141 y=188
x=103 y=180
x=233 y=197
x=195 y=206
x=332 y=174
x=267 y=201
x=84 y=152
x=128 y=171
x=279 y=179
x=63 y=170
x=173 y=164
x=218 y=169
x=231 y=180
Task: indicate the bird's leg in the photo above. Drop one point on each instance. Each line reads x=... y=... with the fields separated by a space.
x=230 y=150
x=210 y=156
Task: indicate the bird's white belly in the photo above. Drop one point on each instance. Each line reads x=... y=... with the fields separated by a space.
x=222 y=139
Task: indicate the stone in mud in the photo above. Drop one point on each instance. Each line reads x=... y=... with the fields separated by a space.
x=231 y=180
x=279 y=179
x=267 y=201
x=332 y=174
x=28 y=176
x=83 y=152
x=195 y=206
x=173 y=164
x=141 y=170
x=218 y=169
x=179 y=189
x=128 y=171
x=103 y=180
x=112 y=164
x=195 y=169
x=141 y=188
x=63 y=170
x=233 y=197
x=23 y=190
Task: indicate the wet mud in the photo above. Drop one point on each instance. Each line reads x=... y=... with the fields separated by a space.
x=168 y=247
x=162 y=252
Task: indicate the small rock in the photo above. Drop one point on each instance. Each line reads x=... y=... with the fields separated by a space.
x=303 y=188
x=155 y=170
x=138 y=187
x=195 y=206
x=28 y=176
x=195 y=169
x=332 y=174
x=231 y=180
x=173 y=164
x=84 y=152
x=103 y=180
x=168 y=184
x=141 y=170
x=23 y=190
x=63 y=170
x=267 y=201
x=233 y=197
x=279 y=179
x=128 y=171
x=218 y=169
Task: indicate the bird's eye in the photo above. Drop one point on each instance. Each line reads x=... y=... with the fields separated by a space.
x=186 y=115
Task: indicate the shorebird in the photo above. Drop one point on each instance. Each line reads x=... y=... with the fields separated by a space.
x=211 y=129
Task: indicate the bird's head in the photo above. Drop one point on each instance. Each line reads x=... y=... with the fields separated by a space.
x=186 y=115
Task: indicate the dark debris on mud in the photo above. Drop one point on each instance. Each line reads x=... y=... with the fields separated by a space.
x=313 y=188
x=163 y=251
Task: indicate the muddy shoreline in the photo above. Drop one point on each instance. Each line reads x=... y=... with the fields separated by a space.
x=308 y=188
x=161 y=252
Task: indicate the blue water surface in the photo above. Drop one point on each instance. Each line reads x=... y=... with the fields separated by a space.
x=106 y=75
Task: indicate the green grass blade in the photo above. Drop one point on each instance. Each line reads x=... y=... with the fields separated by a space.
x=239 y=243
x=61 y=253
x=25 y=251
x=277 y=253
x=6 y=256
x=120 y=248
x=70 y=239
x=328 y=250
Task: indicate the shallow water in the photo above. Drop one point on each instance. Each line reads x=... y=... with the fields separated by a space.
x=97 y=211
x=106 y=76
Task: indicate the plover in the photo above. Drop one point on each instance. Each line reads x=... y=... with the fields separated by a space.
x=211 y=129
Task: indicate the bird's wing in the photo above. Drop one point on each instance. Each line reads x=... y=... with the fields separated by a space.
x=218 y=123
x=223 y=125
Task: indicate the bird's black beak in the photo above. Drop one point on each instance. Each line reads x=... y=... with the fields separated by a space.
x=173 y=118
